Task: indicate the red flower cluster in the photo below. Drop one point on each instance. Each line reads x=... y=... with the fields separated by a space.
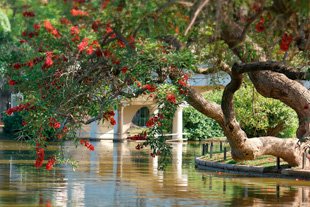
x=154 y=120
x=124 y=69
x=17 y=66
x=50 y=29
x=50 y=163
x=75 y=30
x=48 y=60
x=87 y=144
x=36 y=27
x=150 y=88
x=95 y=25
x=18 y=108
x=183 y=81
x=28 y=14
x=171 y=98
x=11 y=82
x=110 y=116
x=78 y=13
x=121 y=43
x=260 y=25
x=285 y=42
x=40 y=157
x=29 y=34
x=88 y=48
x=54 y=123
x=141 y=136
x=105 y=4
x=64 y=21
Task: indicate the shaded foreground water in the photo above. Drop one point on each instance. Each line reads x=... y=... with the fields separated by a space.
x=118 y=175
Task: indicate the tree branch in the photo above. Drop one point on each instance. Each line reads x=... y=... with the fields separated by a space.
x=201 y=5
x=271 y=66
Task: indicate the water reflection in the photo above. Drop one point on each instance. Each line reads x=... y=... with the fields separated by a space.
x=118 y=175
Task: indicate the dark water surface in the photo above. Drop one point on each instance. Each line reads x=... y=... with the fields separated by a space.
x=116 y=174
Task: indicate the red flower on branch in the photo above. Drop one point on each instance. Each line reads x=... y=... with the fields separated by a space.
x=74 y=30
x=95 y=25
x=28 y=14
x=17 y=66
x=50 y=163
x=105 y=4
x=36 y=27
x=64 y=21
x=150 y=88
x=285 y=42
x=260 y=25
x=50 y=29
x=87 y=144
x=82 y=46
x=48 y=60
x=78 y=13
x=11 y=82
x=124 y=69
x=40 y=157
x=171 y=98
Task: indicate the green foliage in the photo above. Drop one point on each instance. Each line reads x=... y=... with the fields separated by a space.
x=5 y=25
x=198 y=126
x=257 y=115
x=12 y=123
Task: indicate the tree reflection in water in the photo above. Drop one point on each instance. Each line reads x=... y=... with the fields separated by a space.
x=118 y=175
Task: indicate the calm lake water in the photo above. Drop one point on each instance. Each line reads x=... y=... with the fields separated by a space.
x=116 y=174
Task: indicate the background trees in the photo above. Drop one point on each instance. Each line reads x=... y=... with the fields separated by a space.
x=80 y=58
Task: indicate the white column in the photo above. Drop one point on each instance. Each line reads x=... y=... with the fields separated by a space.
x=118 y=128
x=177 y=126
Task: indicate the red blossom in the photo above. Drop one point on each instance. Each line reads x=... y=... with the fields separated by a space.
x=98 y=52
x=285 y=42
x=121 y=43
x=30 y=64
x=50 y=29
x=82 y=46
x=22 y=41
x=50 y=163
x=74 y=30
x=36 y=26
x=105 y=4
x=150 y=88
x=87 y=144
x=90 y=50
x=48 y=60
x=56 y=125
x=17 y=66
x=24 y=123
x=124 y=69
x=107 y=53
x=260 y=25
x=112 y=121
x=108 y=28
x=78 y=13
x=75 y=38
x=28 y=14
x=95 y=25
x=150 y=123
x=11 y=82
x=40 y=157
x=64 y=21
x=171 y=98
x=141 y=136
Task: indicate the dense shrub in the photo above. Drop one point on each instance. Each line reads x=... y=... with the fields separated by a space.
x=198 y=126
x=12 y=123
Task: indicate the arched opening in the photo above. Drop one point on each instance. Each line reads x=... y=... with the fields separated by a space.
x=141 y=117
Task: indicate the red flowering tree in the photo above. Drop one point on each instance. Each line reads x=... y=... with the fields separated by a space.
x=82 y=57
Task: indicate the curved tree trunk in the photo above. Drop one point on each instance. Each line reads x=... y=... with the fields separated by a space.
x=269 y=84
